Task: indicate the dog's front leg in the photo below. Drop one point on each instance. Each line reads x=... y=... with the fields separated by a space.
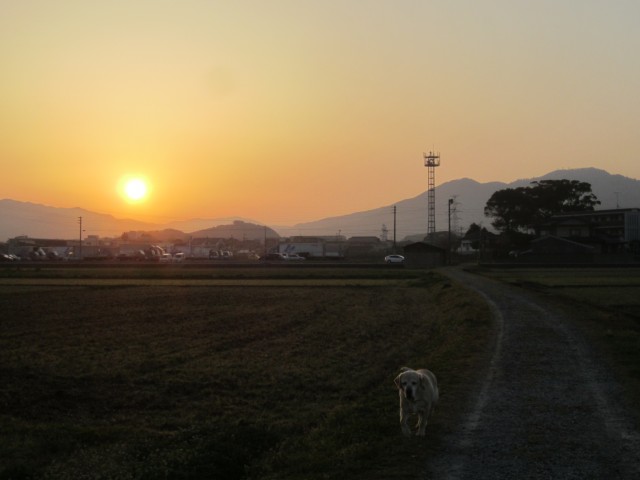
x=406 y=431
x=422 y=424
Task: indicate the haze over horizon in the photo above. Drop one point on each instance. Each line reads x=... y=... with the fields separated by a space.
x=290 y=111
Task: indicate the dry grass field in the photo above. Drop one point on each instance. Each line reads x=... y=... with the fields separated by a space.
x=226 y=374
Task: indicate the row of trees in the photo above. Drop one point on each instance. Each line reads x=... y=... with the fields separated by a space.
x=516 y=210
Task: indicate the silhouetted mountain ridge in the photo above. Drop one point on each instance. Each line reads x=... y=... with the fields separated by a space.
x=42 y=221
x=470 y=197
x=239 y=230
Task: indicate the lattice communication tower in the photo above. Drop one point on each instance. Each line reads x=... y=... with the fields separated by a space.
x=431 y=161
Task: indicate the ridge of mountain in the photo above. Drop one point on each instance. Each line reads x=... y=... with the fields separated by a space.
x=195 y=225
x=43 y=221
x=238 y=230
x=470 y=197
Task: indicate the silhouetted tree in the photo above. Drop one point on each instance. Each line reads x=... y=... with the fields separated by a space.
x=517 y=209
x=561 y=196
x=475 y=233
x=512 y=209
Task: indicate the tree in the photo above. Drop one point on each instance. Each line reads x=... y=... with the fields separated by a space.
x=561 y=196
x=512 y=209
x=517 y=209
x=475 y=234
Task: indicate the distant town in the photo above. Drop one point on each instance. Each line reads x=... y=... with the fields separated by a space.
x=599 y=236
x=137 y=246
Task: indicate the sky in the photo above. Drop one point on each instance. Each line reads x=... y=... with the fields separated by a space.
x=287 y=111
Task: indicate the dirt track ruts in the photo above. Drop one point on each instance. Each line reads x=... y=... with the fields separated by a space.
x=545 y=407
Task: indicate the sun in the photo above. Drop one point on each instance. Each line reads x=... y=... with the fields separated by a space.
x=134 y=189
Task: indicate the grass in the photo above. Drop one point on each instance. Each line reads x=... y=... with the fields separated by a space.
x=200 y=271
x=200 y=380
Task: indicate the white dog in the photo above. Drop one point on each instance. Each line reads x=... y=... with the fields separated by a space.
x=418 y=395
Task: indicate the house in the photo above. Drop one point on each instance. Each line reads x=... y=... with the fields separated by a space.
x=364 y=246
x=39 y=248
x=609 y=231
x=476 y=240
x=57 y=249
x=467 y=247
x=424 y=255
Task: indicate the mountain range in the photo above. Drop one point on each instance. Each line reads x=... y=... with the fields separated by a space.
x=469 y=198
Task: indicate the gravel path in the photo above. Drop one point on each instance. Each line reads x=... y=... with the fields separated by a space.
x=545 y=408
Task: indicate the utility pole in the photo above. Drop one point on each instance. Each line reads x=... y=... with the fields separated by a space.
x=394 y=229
x=449 y=243
x=265 y=242
x=455 y=218
x=80 y=244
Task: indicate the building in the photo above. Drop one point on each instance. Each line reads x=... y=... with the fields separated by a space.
x=39 y=248
x=56 y=249
x=364 y=246
x=424 y=255
x=314 y=247
x=608 y=231
x=476 y=240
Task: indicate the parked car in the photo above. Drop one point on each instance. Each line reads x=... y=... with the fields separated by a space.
x=220 y=255
x=292 y=257
x=394 y=259
x=272 y=257
x=165 y=258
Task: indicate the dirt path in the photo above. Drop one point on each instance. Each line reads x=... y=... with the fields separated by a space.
x=544 y=408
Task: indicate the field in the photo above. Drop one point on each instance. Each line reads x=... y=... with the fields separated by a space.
x=226 y=373
x=269 y=373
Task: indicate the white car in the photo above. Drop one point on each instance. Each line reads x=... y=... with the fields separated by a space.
x=394 y=259
x=292 y=256
x=165 y=258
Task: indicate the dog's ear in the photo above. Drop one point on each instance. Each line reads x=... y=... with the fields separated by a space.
x=423 y=380
x=397 y=381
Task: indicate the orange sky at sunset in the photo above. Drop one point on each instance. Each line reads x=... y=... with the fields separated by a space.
x=287 y=111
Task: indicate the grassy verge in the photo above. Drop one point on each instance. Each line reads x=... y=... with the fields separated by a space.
x=226 y=381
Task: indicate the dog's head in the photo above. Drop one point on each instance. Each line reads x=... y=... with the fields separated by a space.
x=408 y=382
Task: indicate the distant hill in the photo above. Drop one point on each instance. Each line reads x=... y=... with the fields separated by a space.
x=41 y=221
x=239 y=230
x=197 y=224
x=470 y=198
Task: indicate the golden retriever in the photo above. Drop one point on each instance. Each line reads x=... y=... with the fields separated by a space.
x=418 y=395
